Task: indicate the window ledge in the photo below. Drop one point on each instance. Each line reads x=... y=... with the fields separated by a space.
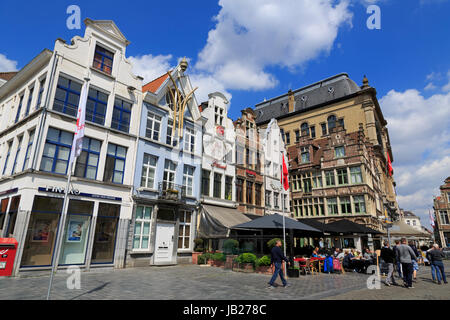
x=103 y=73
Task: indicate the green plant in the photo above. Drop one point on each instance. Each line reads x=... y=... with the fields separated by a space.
x=198 y=245
x=271 y=243
x=230 y=246
x=202 y=259
x=218 y=257
x=247 y=258
x=263 y=261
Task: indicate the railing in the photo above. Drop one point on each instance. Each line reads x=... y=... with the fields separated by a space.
x=171 y=191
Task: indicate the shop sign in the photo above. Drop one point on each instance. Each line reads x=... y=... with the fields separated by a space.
x=54 y=189
x=217 y=165
x=250 y=173
x=76 y=192
x=220 y=130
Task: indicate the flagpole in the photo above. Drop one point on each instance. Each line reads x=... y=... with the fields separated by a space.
x=284 y=223
x=74 y=153
x=60 y=232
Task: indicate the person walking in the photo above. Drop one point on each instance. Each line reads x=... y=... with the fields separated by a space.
x=388 y=256
x=405 y=254
x=397 y=262
x=414 y=261
x=433 y=267
x=277 y=257
x=436 y=255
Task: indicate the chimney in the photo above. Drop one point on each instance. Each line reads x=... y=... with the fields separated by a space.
x=291 y=101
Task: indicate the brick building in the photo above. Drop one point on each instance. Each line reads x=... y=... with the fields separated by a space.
x=338 y=146
x=442 y=215
x=249 y=168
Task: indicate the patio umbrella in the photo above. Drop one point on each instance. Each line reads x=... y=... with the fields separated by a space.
x=275 y=221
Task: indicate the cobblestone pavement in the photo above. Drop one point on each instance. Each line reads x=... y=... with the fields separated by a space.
x=191 y=282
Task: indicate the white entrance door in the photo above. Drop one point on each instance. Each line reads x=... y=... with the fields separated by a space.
x=164 y=243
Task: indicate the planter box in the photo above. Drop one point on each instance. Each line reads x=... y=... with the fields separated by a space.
x=195 y=257
x=229 y=262
x=247 y=267
x=218 y=263
x=293 y=273
x=264 y=270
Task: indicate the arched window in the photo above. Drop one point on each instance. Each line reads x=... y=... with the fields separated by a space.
x=331 y=123
x=305 y=129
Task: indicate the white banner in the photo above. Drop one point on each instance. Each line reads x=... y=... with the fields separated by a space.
x=77 y=143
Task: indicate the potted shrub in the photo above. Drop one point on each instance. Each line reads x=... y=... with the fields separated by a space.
x=263 y=265
x=204 y=258
x=247 y=262
x=198 y=250
x=218 y=259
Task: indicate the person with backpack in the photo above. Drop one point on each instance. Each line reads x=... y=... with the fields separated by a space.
x=388 y=256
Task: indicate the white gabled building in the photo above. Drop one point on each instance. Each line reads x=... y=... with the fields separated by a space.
x=38 y=109
x=276 y=198
x=218 y=170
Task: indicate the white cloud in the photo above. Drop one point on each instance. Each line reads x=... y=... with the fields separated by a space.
x=252 y=35
x=6 y=64
x=430 y=86
x=151 y=67
x=419 y=129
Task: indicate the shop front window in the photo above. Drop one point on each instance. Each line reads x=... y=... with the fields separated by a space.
x=105 y=233
x=12 y=216
x=40 y=240
x=3 y=208
x=75 y=240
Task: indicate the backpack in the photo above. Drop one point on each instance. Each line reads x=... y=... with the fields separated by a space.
x=336 y=264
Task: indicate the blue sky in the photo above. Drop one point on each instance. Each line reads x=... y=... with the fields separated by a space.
x=259 y=49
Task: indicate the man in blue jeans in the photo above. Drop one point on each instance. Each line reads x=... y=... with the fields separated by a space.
x=277 y=257
x=436 y=255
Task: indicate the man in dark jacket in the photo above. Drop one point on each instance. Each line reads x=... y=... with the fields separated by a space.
x=436 y=255
x=388 y=256
x=397 y=262
x=277 y=257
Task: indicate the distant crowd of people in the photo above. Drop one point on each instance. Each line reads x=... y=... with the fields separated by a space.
x=404 y=257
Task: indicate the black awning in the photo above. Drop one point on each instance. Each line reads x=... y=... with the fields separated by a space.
x=346 y=226
x=275 y=221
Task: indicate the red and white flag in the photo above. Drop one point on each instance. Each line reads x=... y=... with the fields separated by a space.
x=285 y=176
x=431 y=218
x=77 y=143
x=390 y=169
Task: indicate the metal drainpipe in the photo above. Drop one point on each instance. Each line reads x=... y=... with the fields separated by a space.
x=44 y=111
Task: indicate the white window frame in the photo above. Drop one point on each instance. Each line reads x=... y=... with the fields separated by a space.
x=189 y=140
x=142 y=221
x=169 y=171
x=154 y=117
x=148 y=167
x=183 y=226
x=188 y=180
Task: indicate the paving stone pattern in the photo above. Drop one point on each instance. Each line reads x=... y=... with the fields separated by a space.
x=191 y=282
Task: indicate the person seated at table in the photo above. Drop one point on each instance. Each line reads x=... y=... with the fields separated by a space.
x=315 y=253
x=368 y=255
x=340 y=254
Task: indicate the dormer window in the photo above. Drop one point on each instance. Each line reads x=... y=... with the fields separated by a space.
x=103 y=59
